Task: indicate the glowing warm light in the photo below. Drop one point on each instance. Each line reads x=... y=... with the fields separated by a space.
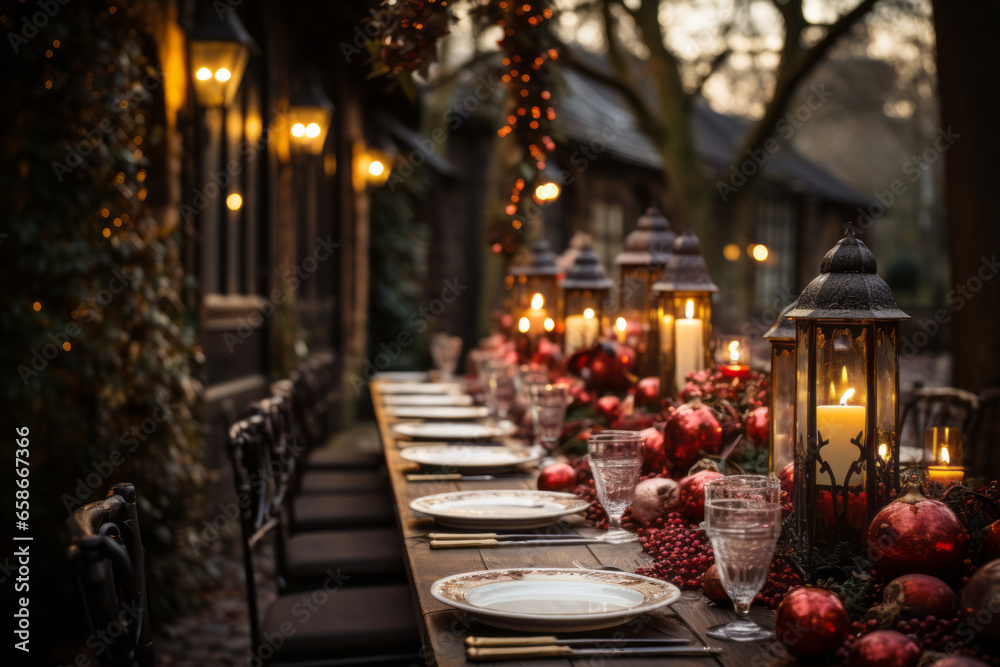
x=375 y=168
x=37 y=306
x=589 y=313
x=689 y=309
x=945 y=457
x=523 y=325
x=222 y=74
x=234 y=202
x=298 y=130
x=204 y=74
x=549 y=324
x=847 y=396
x=537 y=301
x=621 y=324
x=67 y=346
x=312 y=130
x=734 y=352
x=547 y=192
x=731 y=252
x=883 y=451
x=759 y=252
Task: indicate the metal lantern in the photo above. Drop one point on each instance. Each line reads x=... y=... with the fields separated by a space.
x=585 y=291
x=643 y=259
x=219 y=48
x=847 y=387
x=535 y=292
x=781 y=412
x=684 y=313
x=310 y=112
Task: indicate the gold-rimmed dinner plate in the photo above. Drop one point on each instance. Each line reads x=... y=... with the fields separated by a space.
x=437 y=411
x=499 y=509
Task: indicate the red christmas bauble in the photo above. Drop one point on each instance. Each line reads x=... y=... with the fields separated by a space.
x=757 y=427
x=654 y=453
x=692 y=501
x=693 y=431
x=991 y=540
x=647 y=391
x=959 y=661
x=558 y=477
x=712 y=587
x=885 y=648
x=609 y=407
x=811 y=622
x=913 y=596
x=729 y=420
x=654 y=498
x=980 y=605
x=914 y=535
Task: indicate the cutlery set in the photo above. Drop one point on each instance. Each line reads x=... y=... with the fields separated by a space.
x=520 y=648
x=465 y=540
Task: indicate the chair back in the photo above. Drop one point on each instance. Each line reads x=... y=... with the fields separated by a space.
x=927 y=407
x=106 y=552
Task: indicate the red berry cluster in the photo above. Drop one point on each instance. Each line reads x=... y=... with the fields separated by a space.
x=681 y=551
x=780 y=579
x=710 y=385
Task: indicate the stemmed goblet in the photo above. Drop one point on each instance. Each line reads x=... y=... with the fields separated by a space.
x=548 y=411
x=616 y=460
x=743 y=521
x=501 y=391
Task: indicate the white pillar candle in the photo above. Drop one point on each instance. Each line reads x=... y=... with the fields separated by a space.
x=689 y=346
x=581 y=332
x=839 y=424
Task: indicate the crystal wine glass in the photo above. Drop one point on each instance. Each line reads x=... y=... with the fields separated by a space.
x=616 y=460
x=446 y=351
x=743 y=521
x=548 y=411
x=501 y=391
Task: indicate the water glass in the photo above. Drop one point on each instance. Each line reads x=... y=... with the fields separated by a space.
x=446 y=350
x=616 y=460
x=548 y=411
x=501 y=390
x=743 y=521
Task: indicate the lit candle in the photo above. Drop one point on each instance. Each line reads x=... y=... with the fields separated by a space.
x=838 y=425
x=735 y=369
x=581 y=331
x=689 y=345
x=536 y=314
x=945 y=473
x=621 y=329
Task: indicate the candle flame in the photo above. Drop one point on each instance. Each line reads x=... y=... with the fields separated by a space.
x=843 y=375
x=883 y=451
x=847 y=396
x=689 y=309
x=734 y=353
x=549 y=324
x=589 y=313
x=537 y=301
x=945 y=457
x=524 y=325
x=620 y=324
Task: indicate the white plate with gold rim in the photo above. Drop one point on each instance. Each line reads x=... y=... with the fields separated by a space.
x=442 y=400
x=421 y=388
x=469 y=458
x=437 y=411
x=403 y=376
x=453 y=430
x=499 y=509
x=554 y=599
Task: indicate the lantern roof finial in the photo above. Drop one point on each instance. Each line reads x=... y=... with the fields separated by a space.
x=848 y=287
x=686 y=270
x=587 y=272
x=650 y=243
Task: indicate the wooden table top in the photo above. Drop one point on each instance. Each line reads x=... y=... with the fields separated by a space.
x=446 y=628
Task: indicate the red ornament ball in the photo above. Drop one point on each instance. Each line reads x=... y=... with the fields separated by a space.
x=654 y=454
x=959 y=661
x=653 y=499
x=914 y=535
x=693 y=432
x=692 y=503
x=811 y=622
x=914 y=596
x=647 y=392
x=558 y=477
x=885 y=648
x=609 y=407
x=712 y=586
x=758 y=427
x=980 y=605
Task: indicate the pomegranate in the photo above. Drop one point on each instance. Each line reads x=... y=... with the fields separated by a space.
x=712 y=587
x=647 y=392
x=757 y=427
x=885 y=648
x=692 y=496
x=558 y=477
x=913 y=596
x=811 y=622
x=980 y=605
x=991 y=540
x=693 y=431
x=654 y=454
x=653 y=499
x=915 y=535
x=609 y=407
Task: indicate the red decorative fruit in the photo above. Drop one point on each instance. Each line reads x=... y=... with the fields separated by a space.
x=712 y=587
x=914 y=596
x=558 y=477
x=693 y=432
x=914 y=535
x=654 y=498
x=609 y=407
x=647 y=391
x=692 y=504
x=885 y=648
x=654 y=454
x=811 y=622
x=991 y=540
x=757 y=427
x=959 y=661
x=980 y=605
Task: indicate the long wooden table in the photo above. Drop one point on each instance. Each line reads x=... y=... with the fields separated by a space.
x=445 y=628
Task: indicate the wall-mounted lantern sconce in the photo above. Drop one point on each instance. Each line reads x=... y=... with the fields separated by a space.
x=310 y=112
x=219 y=48
x=372 y=166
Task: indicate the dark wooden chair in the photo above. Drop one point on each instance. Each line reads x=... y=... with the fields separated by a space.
x=106 y=553
x=331 y=624
x=926 y=407
x=986 y=443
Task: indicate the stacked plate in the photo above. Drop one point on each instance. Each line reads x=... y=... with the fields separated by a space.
x=453 y=430
x=437 y=411
x=499 y=509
